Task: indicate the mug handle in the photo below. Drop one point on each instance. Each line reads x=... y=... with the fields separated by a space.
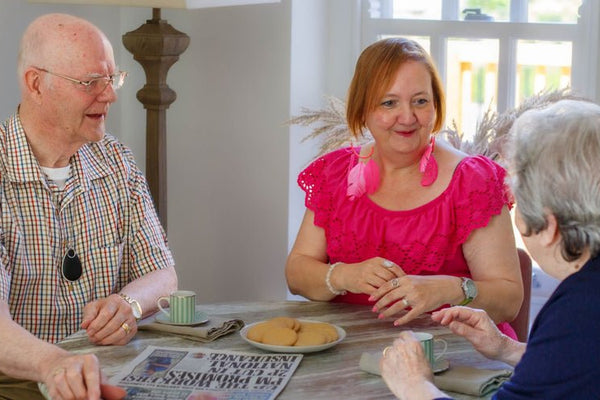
x=443 y=351
x=160 y=299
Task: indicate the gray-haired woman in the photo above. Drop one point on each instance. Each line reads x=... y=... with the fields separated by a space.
x=555 y=165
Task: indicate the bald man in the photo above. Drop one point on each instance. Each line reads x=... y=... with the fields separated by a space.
x=81 y=246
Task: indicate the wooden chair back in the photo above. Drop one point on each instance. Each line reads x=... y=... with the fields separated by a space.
x=521 y=323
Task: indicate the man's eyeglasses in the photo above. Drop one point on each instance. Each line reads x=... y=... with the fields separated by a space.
x=95 y=86
x=71 y=266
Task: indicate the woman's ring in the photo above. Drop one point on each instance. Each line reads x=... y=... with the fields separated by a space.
x=126 y=328
x=395 y=283
x=405 y=302
x=388 y=264
x=386 y=350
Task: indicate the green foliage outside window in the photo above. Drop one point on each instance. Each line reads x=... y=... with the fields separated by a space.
x=527 y=81
x=478 y=86
x=499 y=9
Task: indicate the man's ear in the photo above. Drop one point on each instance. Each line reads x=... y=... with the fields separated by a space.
x=32 y=80
x=550 y=236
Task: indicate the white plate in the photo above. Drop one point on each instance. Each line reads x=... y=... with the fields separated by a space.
x=199 y=318
x=293 y=349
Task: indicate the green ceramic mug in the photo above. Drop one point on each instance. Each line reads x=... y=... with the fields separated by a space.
x=427 y=341
x=182 y=306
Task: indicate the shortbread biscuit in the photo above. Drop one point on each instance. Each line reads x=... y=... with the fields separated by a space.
x=256 y=332
x=311 y=338
x=297 y=325
x=280 y=336
x=286 y=322
x=328 y=330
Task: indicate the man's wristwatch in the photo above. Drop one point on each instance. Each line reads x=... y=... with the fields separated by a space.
x=469 y=289
x=135 y=306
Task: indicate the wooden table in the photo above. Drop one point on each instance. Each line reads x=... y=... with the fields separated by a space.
x=330 y=374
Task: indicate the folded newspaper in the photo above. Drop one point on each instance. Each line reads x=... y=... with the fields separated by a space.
x=205 y=374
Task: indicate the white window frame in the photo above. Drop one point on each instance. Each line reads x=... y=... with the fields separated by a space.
x=583 y=36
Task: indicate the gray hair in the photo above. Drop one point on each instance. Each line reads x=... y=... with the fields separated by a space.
x=555 y=169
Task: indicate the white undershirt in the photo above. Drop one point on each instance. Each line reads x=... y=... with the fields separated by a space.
x=58 y=175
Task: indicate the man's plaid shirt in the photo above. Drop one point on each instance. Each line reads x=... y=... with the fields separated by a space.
x=105 y=213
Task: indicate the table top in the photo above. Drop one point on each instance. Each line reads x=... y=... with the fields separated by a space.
x=332 y=373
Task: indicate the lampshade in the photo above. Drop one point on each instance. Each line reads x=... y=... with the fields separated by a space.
x=188 y=4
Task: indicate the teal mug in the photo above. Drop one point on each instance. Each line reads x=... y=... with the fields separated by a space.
x=182 y=306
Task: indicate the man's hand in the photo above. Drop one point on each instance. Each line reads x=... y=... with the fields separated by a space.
x=79 y=377
x=109 y=321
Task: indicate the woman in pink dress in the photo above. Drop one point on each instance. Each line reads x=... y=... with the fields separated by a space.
x=405 y=224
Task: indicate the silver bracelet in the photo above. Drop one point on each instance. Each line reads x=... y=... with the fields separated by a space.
x=328 y=281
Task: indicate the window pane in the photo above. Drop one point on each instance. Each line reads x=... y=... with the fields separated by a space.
x=471 y=82
x=499 y=10
x=546 y=11
x=558 y=11
x=542 y=66
x=423 y=9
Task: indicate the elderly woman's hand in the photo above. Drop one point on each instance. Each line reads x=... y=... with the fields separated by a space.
x=367 y=276
x=475 y=326
x=405 y=369
x=416 y=293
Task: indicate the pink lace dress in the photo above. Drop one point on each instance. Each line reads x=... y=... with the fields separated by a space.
x=426 y=240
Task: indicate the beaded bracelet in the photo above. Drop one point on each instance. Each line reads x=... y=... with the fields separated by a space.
x=328 y=281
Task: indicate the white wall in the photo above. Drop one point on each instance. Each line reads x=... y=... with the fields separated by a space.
x=324 y=47
x=228 y=165
x=227 y=138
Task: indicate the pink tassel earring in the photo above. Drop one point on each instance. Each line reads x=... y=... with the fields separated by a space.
x=363 y=177
x=428 y=165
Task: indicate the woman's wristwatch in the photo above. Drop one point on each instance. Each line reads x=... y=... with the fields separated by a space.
x=469 y=289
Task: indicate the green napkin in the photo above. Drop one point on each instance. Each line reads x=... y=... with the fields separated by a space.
x=213 y=329
x=458 y=378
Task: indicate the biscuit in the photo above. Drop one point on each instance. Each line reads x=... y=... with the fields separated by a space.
x=256 y=332
x=328 y=330
x=296 y=325
x=311 y=338
x=286 y=322
x=280 y=336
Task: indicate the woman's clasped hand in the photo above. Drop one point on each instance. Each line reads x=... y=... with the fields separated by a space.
x=367 y=276
x=414 y=293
